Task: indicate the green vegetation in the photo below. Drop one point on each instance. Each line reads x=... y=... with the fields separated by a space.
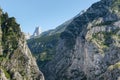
x=44 y=48
x=5 y=72
x=10 y=34
x=4 y=17
x=2 y=58
x=43 y=56
x=99 y=39
x=104 y=23
x=104 y=39
x=115 y=66
x=47 y=38
x=116 y=6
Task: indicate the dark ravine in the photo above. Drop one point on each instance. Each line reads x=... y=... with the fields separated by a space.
x=88 y=48
x=16 y=60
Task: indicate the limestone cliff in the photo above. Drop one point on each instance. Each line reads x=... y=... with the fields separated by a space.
x=16 y=60
x=89 y=47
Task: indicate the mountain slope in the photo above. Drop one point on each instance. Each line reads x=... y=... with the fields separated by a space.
x=16 y=61
x=89 y=47
x=43 y=47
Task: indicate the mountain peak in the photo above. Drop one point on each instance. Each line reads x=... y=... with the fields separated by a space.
x=37 y=31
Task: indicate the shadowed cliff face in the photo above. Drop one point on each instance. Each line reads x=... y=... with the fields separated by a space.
x=16 y=61
x=88 y=49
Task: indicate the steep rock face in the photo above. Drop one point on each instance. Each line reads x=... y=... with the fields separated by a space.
x=44 y=46
x=89 y=46
x=16 y=61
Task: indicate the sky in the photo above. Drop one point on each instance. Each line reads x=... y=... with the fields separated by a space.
x=47 y=14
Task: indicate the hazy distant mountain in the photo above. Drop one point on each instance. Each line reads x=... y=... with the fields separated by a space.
x=36 y=33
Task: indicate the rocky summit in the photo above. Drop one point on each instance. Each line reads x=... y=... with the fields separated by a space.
x=16 y=60
x=87 y=49
x=36 y=33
